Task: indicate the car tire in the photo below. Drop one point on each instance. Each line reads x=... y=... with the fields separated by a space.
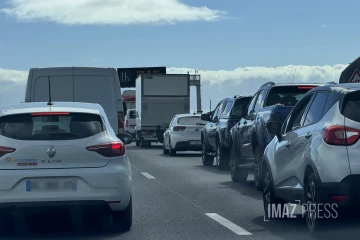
x=165 y=151
x=237 y=174
x=222 y=159
x=122 y=220
x=269 y=198
x=137 y=143
x=258 y=177
x=312 y=196
x=206 y=159
x=172 y=152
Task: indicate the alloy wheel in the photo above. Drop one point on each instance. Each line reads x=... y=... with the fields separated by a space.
x=311 y=201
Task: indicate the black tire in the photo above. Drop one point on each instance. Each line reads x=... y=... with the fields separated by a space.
x=258 y=176
x=137 y=143
x=122 y=220
x=136 y=139
x=269 y=198
x=312 y=197
x=222 y=157
x=165 y=151
x=237 y=174
x=172 y=152
x=206 y=159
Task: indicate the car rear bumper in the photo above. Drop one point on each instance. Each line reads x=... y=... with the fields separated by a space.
x=109 y=186
x=348 y=187
x=186 y=146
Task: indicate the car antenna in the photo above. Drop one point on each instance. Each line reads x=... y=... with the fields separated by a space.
x=49 y=103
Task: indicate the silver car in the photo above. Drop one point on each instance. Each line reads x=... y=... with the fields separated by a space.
x=314 y=158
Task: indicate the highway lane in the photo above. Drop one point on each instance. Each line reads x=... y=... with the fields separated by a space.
x=178 y=198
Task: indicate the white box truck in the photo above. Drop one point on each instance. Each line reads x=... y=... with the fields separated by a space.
x=79 y=84
x=158 y=98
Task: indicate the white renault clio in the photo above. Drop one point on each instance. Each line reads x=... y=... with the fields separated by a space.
x=64 y=153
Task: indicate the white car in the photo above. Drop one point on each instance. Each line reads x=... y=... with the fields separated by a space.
x=183 y=134
x=64 y=154
x=130 y=122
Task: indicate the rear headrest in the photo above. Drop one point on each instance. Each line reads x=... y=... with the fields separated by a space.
x=50 y=128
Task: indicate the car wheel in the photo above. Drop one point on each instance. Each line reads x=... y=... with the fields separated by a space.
x=237 y=174
x=222 y=161
x=257 y=168
x=270 y=201
x=165 y=151
x=313 y=201
x=206 y=159
x=122 y=220
x=172 y=152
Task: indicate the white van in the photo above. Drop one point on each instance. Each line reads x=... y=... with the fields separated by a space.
x=130 y=122
x=79 y=84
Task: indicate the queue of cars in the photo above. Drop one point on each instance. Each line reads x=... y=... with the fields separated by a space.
x=65 y=146
x=300 y=140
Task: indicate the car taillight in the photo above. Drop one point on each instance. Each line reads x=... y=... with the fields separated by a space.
x=179 y=128
x=113 y=149
x=340 y=135
x=5 y=150
x=49 y=113
x=120 y=120
x=127 y=123
x=306 y=87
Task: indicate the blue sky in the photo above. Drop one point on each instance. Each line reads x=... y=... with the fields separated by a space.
x=256 y=33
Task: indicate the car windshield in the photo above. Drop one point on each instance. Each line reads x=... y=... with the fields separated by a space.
x=286 y=95
x=194 y=120
x=53 y=127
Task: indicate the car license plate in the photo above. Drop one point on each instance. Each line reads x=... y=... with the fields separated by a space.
x=195 y=142
x=150 y=138
x=67 y=185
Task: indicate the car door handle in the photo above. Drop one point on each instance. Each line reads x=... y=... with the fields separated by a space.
x=287 y=144
x=308 y=135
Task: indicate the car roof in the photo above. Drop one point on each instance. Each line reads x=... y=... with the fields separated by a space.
x=343 y=87
x=238 y=97
x=187 y=115
x=29 y=107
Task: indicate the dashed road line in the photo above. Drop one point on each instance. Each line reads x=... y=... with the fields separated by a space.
x=147 y=175
x=229 y=225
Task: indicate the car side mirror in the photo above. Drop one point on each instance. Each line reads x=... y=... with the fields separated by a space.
x=205 y=117
x=125 y=138
x=274 y=124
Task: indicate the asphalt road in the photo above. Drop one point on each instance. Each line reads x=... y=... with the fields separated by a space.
x=178 y=198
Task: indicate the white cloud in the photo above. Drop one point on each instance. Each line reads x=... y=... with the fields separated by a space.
x=216 y=85
x=121 y=12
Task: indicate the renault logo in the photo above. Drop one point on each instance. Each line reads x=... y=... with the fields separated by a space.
x=51 y=151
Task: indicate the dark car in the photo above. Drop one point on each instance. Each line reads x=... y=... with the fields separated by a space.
x=249 y=137
x=215 y=137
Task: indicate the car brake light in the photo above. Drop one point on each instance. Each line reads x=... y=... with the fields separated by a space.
x=338 y=199
x=306 y=87
x=127 y=123
x=120 y=120
x=340 y=135
x=5 y=150
x=179 y=128
x=113 y=149
x=49 y=113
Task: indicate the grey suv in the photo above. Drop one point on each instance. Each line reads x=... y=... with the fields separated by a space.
x=314 y=157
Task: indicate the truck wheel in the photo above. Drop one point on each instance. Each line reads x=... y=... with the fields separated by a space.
x=137 y=143
x=142 y=143
x=222 y=159
x=206 y=159
x=237 y=174
x=257 y=168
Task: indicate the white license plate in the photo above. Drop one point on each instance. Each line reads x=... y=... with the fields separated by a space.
x=68 y=185
x=195 y=142
x=150 y=138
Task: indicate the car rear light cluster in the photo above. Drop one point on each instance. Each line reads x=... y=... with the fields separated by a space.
x=113 y=149
x=49 y=113
x=306 y=87
x=179 y=128
x=5 y=150
x=340 y=135
x=147 y=132
x=127 y=123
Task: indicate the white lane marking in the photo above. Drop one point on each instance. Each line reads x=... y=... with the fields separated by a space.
x=147 y=175
x=226 y=223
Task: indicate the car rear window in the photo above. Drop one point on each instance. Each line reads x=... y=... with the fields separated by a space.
x=287 y=95
x=65 y=126
x=132 y=114
x=196 y=120
x=351 y=106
